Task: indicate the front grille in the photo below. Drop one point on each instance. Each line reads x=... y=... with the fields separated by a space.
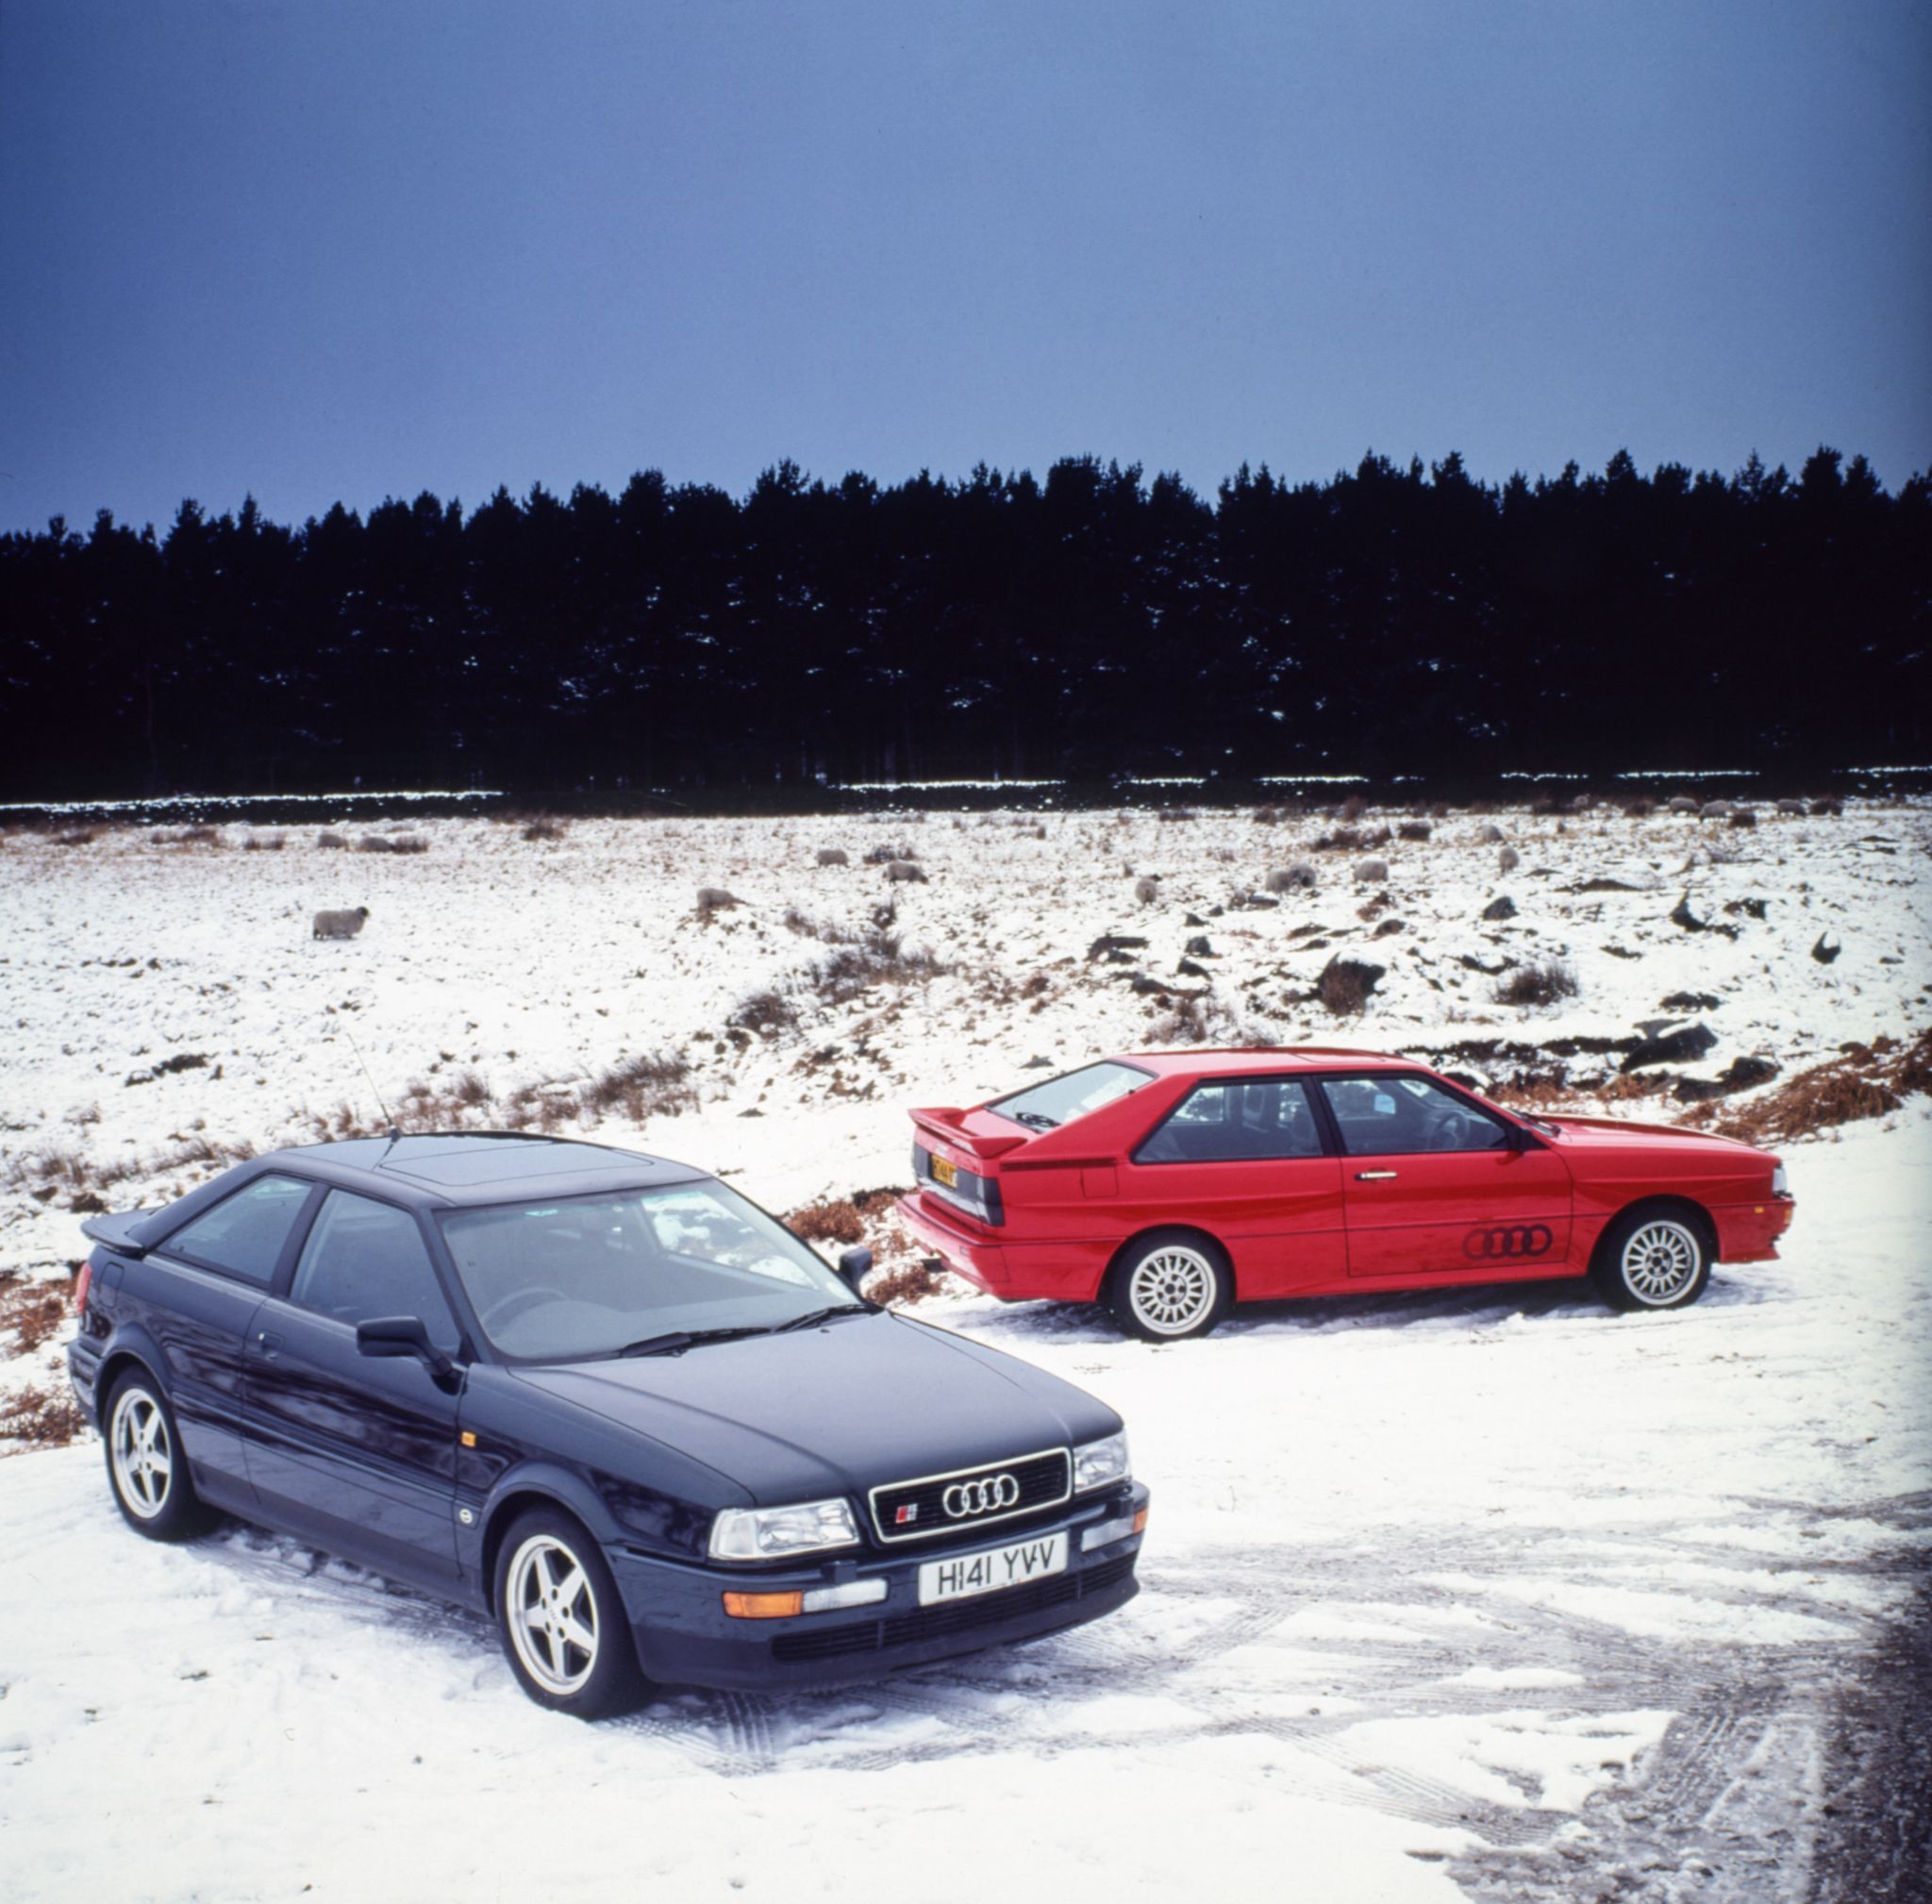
x=961 y=1616
x=997 y=1491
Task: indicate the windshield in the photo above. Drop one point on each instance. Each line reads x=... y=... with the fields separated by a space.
x=1061 y=1100
x=595 y=1275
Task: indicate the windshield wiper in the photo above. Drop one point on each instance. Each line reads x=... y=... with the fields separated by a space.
x=812 y=1317
x=675 y=1341
x=1037 y=1119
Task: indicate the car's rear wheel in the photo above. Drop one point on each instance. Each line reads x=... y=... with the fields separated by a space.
x=562 y=1621
x=1171 y=1285
x=146 y=1467
x=1652 y=1259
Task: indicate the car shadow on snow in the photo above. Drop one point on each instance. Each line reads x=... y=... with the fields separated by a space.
x=1486 y=1305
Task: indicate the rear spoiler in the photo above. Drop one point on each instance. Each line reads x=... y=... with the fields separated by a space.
x=944 y=1123
x=115 y=1230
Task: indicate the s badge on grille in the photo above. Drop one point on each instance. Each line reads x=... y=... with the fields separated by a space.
x=905 y=1515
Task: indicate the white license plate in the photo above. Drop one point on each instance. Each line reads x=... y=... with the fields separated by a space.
x=988 y=1572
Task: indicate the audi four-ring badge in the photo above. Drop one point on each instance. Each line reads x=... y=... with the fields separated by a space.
x=1170 y=1185
x=605 y=1401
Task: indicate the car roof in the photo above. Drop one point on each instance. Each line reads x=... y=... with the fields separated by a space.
x=1234 y=1061
x=451 y=1170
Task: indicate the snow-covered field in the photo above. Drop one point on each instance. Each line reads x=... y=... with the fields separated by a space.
x=1483 y=1593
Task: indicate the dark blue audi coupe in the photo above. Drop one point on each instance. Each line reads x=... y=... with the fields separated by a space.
x=603 y=1399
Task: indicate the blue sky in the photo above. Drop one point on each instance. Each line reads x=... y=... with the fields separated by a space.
x=322 y=250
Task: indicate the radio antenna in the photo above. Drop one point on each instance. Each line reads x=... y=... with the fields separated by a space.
x=393 y=1132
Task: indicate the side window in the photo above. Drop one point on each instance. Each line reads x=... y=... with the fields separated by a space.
x=244 y=1234
x=366 y=1258
x=1227 y=1122
x=1402 y=1116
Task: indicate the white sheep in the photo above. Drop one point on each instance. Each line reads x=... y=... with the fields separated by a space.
x=339 y=924
x=905 y=870
x=1287 y=878
x=1372 y=872
x=1147 y=891
x=1509 y=860
x=833 y=856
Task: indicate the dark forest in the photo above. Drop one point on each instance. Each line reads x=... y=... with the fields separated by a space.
x=1392 y=620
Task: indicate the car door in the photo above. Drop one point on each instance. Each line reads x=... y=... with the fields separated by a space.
x=357 y=1450
x=1244 y=1158
x=1433 y=1183
x=196 y=1294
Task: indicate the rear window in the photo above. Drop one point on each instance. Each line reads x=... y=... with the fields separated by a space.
x=244 y=1234
x=1075 y=1094
x=1235 y=1121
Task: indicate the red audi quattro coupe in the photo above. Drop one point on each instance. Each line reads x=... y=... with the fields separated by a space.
x=1170 y=1185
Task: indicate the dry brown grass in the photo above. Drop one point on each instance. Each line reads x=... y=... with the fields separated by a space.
x=1542 y=983
x=33 y=1311
x=655 y=1084
x=396 y=843
x=1345 y=984
x=40 y=1418
x=908 y=1283
x=1868 y=1080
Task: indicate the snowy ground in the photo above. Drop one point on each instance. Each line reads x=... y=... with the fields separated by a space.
x=1485 y=1594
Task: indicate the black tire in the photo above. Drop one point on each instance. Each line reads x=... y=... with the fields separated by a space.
x=538 y=1610
x=148 y=1467
x=1171 y=1285
x=1651 y=1259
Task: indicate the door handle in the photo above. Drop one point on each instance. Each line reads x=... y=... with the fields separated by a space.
x=267 y=1342
x=1372 y=1176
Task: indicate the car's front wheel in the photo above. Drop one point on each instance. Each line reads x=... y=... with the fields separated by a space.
x=1652 y=1259
x=146 y=1468
x=562 y=1622
x=1171 y=1285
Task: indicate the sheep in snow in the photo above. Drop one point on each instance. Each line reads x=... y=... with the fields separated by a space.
x=1372 y=872
x=1509 y=860
x=833 y=856
x=715 y=899
x=1491 y=834
x=1147 y=891
x=899 y=870
x=339 y=924
x=1287 y=878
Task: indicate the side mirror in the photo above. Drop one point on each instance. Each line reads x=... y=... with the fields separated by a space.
x=392 y=1335
x=853 y=1266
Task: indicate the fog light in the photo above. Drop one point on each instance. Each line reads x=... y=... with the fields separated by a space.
x=1109 y=1531
x=763 y=1605
x=852 y=1593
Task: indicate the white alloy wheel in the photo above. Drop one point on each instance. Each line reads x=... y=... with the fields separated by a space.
x=142 y=1452
x=551 y=1615
x=1660 y=1261
x=1173 y=1289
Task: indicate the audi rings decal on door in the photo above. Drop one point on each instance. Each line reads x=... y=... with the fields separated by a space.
x=1505 y=1241
x=987 y=1496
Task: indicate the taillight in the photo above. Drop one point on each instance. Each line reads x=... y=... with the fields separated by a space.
x=81 y=1285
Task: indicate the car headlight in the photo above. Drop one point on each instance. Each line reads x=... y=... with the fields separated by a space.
x=1100 y=1465
x=1780 y=1183
x=770 y=1533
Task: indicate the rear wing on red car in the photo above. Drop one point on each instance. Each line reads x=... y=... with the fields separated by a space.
x=944 y=1123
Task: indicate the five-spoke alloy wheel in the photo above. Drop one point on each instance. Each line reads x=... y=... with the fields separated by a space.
x=146 y=1467
x=1652 y=1260
x=1172 y=1284
x=563 y=1624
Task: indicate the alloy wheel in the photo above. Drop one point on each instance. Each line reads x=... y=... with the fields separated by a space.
x=144 y=1453
x=551 y=1613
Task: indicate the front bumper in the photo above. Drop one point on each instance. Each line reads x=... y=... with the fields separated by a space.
x=1749 y=1232
x=684 y=1636
x=983 y=1264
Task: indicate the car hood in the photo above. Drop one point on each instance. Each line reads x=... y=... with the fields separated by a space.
x=834 y=1410
x=1592 y=1133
